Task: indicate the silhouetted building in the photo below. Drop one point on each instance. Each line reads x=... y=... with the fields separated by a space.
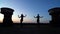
x=55 y=15
x=38 y=18
x=8 y=12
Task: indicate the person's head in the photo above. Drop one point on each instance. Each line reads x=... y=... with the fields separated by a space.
x=38 y=14
x=21 y=14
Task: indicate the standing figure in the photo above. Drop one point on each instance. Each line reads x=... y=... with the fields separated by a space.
x=38 y=18
x=22 y=16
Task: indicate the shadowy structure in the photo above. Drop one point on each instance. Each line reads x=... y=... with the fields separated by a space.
x=21 y=20
x=8 y=12
x=38 y=18
x=55 y=15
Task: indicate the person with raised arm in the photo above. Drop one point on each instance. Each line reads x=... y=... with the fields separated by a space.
x=22 y=16
x=38 y=18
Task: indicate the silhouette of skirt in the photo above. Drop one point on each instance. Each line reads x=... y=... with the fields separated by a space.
x=21 y=20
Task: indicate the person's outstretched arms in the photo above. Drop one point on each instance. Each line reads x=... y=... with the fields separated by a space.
x=35 y=17
x=41 y=17
x=18 y=16
x=25 y=15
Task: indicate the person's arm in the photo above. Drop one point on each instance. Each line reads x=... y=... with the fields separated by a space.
x=18 y=16
x=35 y=17
x=25 y=16
x=41 y=17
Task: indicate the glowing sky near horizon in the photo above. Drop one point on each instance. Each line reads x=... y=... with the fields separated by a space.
x=30 y=8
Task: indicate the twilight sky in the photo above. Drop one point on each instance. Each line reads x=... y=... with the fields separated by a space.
x=30 y=8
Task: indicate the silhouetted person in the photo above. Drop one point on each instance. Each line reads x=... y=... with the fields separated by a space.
x=8 y=12
x=38 y=18
x=22 y=16
x=55 y=15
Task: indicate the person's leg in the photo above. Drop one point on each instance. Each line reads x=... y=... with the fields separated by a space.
x=21 y=23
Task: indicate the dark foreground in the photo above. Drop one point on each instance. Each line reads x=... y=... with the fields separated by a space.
x=29 y=29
